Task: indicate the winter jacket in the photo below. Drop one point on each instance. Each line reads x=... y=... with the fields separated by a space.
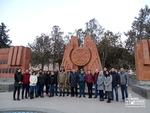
x=100 y=82
x=61 y=77
x=89 y=78
x=41 y=80
x=108 y=82
x=52 y=79
x=124 y=78
x=115 y=79
x=82 y=78
x=25 y=78
x=17 y=78
x=33 y=80
x=95 y=77
x=73 y=79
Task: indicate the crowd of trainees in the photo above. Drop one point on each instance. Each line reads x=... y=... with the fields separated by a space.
x=106 y=82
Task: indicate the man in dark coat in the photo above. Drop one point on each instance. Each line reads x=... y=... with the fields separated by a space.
x=74 y=82
x=41 y=80
x=115 y=83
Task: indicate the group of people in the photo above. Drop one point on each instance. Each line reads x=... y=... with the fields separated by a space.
x=105 y=83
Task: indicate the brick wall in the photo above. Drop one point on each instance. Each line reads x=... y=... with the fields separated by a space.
x=13 y=58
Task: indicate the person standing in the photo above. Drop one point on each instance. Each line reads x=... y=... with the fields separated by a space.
x=33 y=82
x=115 y=83
x=95 y=81
x=56 y=82
x=47 y=75
x=74 y=82
x=62 y=81
x=17 y=84
x=25 y=85
x=100 y=83
x=37 y=85
x=67 y=81
x=108 y=85
x=124 y=81
x=51 y=84
x=105 y=92
x=89 y=80
x=82 y=83
x=41 y=80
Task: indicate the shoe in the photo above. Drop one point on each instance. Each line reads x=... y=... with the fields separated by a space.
x=84 y=96
x=95 y=97
x=47 y=95
x=22 y=97
x=109 y=101
x=14 y=99
x=42 y=96
x=26 y=97
x=63 y=95
x=56 y=95
x=79 y=96
x=105 y=98
x=59 y=95
x=18 y=99
x=36 y=96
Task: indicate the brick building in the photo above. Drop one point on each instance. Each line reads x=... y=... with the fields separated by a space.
x=13 y=58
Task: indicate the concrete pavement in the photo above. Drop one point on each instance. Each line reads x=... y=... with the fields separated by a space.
x=70 y=104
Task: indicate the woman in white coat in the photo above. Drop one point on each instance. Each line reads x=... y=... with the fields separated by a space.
x=33 y=81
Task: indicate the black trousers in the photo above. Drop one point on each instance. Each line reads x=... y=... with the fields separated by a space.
x=16 y=89
x=74 y=92
x=47 y=88
x=25 y=87
x=90 y=89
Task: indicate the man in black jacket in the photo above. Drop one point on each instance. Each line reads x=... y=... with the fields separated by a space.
x=115 y=83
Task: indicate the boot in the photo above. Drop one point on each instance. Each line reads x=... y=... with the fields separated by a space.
x=109 y=101
x=60 y=95
x=63 y=94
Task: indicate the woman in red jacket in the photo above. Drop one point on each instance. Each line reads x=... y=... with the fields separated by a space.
x=89 y=80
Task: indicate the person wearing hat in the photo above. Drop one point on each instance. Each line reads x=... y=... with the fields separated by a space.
x=62 y=81
x=67 y=81
x=82 y=83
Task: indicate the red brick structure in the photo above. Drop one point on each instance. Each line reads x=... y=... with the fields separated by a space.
x=13 y=58
x=87 y=56
x=142 y=60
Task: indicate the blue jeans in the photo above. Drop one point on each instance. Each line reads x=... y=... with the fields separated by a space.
x=116 y=92
x=51 y=87
x=56 y=87
x=32 y=89
x=25 y=87
x=41 y=87
x=124 y=90
x=36 y=89
x=82 y=88
x=95 y=89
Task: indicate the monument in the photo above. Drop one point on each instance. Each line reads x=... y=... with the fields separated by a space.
x=86 y=57
x=13 y=58
x=142 y=61
x=142 y=64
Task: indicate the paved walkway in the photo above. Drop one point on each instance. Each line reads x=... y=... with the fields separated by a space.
x=70 y=105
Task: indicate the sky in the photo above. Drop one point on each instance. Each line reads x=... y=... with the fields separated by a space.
x=27 y=19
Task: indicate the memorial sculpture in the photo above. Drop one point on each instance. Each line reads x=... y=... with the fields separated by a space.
x=86 y=57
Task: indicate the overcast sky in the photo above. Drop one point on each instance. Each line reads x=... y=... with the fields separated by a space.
x=27 y=19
